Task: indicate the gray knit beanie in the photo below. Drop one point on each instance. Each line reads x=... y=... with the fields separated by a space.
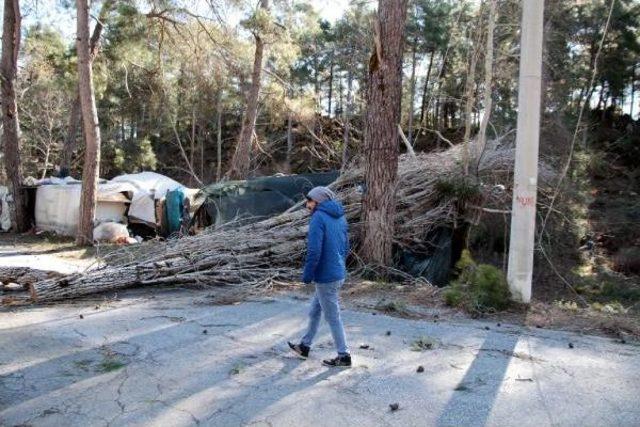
x=321 y=194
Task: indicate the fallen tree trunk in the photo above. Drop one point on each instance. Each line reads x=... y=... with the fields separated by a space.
x=25 y=275
x=258 y=255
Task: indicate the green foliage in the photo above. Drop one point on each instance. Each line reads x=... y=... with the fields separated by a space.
x=43 y=108
x=491 y=290
x=454 y=296
x=465 y=265
x=463 y=189
x=141 y=156
x=628 y=291
x=110 y=365
x=152 y=76
x=479 y=287
x=262 y=24
x=84 y=364
x=237 y=368
x=627 y=148
x=597 y=165
x=130 y=157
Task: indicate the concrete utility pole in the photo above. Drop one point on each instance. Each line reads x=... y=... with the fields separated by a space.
x=525 y=182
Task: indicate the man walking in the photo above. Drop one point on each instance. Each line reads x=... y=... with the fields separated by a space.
x=327 y=250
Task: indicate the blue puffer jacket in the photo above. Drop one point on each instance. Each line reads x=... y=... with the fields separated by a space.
x=328 y=244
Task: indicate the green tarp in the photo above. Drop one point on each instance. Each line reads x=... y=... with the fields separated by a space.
x=254 y=199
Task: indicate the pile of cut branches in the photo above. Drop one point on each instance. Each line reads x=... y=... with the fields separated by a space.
x=256 y=256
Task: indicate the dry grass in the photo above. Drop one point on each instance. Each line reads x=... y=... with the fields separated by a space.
x=427 y=303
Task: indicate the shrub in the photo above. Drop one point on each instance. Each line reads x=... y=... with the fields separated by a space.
x=598 y=166
x=627 y=260
x=479 y=287
x=625 y=291
x=457 y=187
x=454 y=296
x=466 y=267
x=140 y=156
x=490 y=288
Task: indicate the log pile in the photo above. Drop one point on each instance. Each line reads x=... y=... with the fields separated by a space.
x=24 y=276
x=258 y=255
x=16 y=281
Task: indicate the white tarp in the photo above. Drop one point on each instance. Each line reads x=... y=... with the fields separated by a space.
x=5 y=214
x=150 y=186
x=58 y=206
x=52 y=180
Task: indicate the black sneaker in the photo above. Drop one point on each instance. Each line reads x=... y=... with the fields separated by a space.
x=299 y=349
x=338 y=362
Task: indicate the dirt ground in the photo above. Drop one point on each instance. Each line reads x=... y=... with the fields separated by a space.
x=47 y=243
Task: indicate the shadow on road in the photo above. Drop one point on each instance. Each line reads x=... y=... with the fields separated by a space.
x=475 y=395
x=108 y=365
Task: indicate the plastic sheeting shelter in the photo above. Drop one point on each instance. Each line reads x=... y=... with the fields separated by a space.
x=148 y=187
x=435 y=263
x=254 y=199
x=57 y=207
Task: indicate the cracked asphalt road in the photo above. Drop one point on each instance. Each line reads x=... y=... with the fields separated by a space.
x=147 y=361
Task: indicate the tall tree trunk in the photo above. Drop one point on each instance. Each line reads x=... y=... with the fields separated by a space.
x=192 y=144
x=70 y=139
x=441 y=104
x=414 y=48
x=76 y=111
x=202 y=136
x=425 y=88
x=441 y=74
x=47 y=154
x=347 y=122
x=340 y=94
x=436 y=115
x=330 y=87
x=241 y=162
x=470 y=98
x=381 y=132
x=203 y=139
x=316 y=78
x=488 y=78
x=363 y=86
x=10 y=124
x=91 y=167
x=604 y=105
x=219 y=135
x=601 y=98
x=633 y=89
x=142 y=127
x=547 y=32
x=289 y=140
